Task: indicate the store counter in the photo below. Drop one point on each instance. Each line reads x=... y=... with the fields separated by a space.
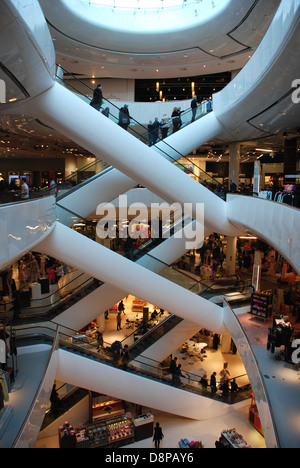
x=143 y=426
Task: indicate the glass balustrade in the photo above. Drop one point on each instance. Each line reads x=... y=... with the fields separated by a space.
x=152 y=263
x=140 y=131
x=51 y=305
x=146 y=368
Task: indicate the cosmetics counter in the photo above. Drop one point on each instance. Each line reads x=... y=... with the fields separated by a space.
x=109 y=426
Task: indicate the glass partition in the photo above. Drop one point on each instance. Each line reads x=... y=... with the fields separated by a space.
x=73 y=342
x=141 y=132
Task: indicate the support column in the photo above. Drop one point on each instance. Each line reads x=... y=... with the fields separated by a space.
x=101 y=322
x=231 y=255
x=226 y=344
x=290 y=158
x=234 y=165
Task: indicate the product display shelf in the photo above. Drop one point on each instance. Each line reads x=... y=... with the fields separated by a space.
x=261 y=304
x=231 y=439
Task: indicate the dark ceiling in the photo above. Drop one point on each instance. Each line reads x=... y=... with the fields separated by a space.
x=181 y=88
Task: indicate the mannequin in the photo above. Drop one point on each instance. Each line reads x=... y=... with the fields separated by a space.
x=22 y=275
x=9 y=280
x=44 y=259
x=34 y=270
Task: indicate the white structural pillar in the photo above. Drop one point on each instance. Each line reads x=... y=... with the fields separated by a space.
x=234 y=164
x=78 y=251
x=231 y=255
x=100 y=135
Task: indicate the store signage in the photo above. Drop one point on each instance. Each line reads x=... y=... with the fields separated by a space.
x=2 y=92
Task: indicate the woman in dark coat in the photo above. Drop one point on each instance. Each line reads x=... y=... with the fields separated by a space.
x=158 y=435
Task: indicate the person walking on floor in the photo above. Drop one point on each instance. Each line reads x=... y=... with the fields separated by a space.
x=158 y=435
x=119 y=321
x=213 y=382
x=121 y=307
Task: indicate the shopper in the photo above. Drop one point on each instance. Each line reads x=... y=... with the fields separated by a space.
x=234 y=387
x=164 y=126
x=158 y=435
x=176 y=119
x=176 y=376
x=124 y=117
x=125 y=357
x=117 y=350
x=155 y=130
x=99 y=338
x=203 y=381
x=121 y=307
x=173 y=365
x=213 y=382
x=194 y=107
x=24 y=190
x=150 y=133
x=96 y=102
x=105 y=112
x=55 y=400
x=119 y=321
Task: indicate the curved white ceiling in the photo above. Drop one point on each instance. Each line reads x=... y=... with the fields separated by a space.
x=210 y=38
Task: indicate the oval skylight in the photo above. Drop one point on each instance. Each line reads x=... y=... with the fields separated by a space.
x=141 y=4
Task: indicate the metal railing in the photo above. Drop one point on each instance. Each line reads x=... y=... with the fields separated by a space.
x=143 y=4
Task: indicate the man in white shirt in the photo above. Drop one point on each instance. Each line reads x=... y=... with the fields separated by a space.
x=24 y=190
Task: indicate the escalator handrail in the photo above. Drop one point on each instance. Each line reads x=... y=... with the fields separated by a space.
x=105 y=359
x=112 y=104
x=180 y=272
x=85 y=182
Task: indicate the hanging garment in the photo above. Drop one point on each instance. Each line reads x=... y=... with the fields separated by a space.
x=1 y=398
x=5 y=375
x=2 y=352
x=4 y=389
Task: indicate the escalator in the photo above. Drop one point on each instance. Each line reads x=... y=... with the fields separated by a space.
x=104 y=373
x=54 y=305
x=122 y=183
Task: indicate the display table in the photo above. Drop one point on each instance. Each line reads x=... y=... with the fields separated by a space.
x=107 y=434
x=103 y=407
x=143 y=426
x=196 y=349
x=261 y=304
x=231 y=439
x=45 y=287
x=25 y=299
x=6 y=305
x=36 y=291
x=253 y=416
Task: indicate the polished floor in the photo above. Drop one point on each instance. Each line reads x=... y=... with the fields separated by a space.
x=175 y=427
x=282 y=381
